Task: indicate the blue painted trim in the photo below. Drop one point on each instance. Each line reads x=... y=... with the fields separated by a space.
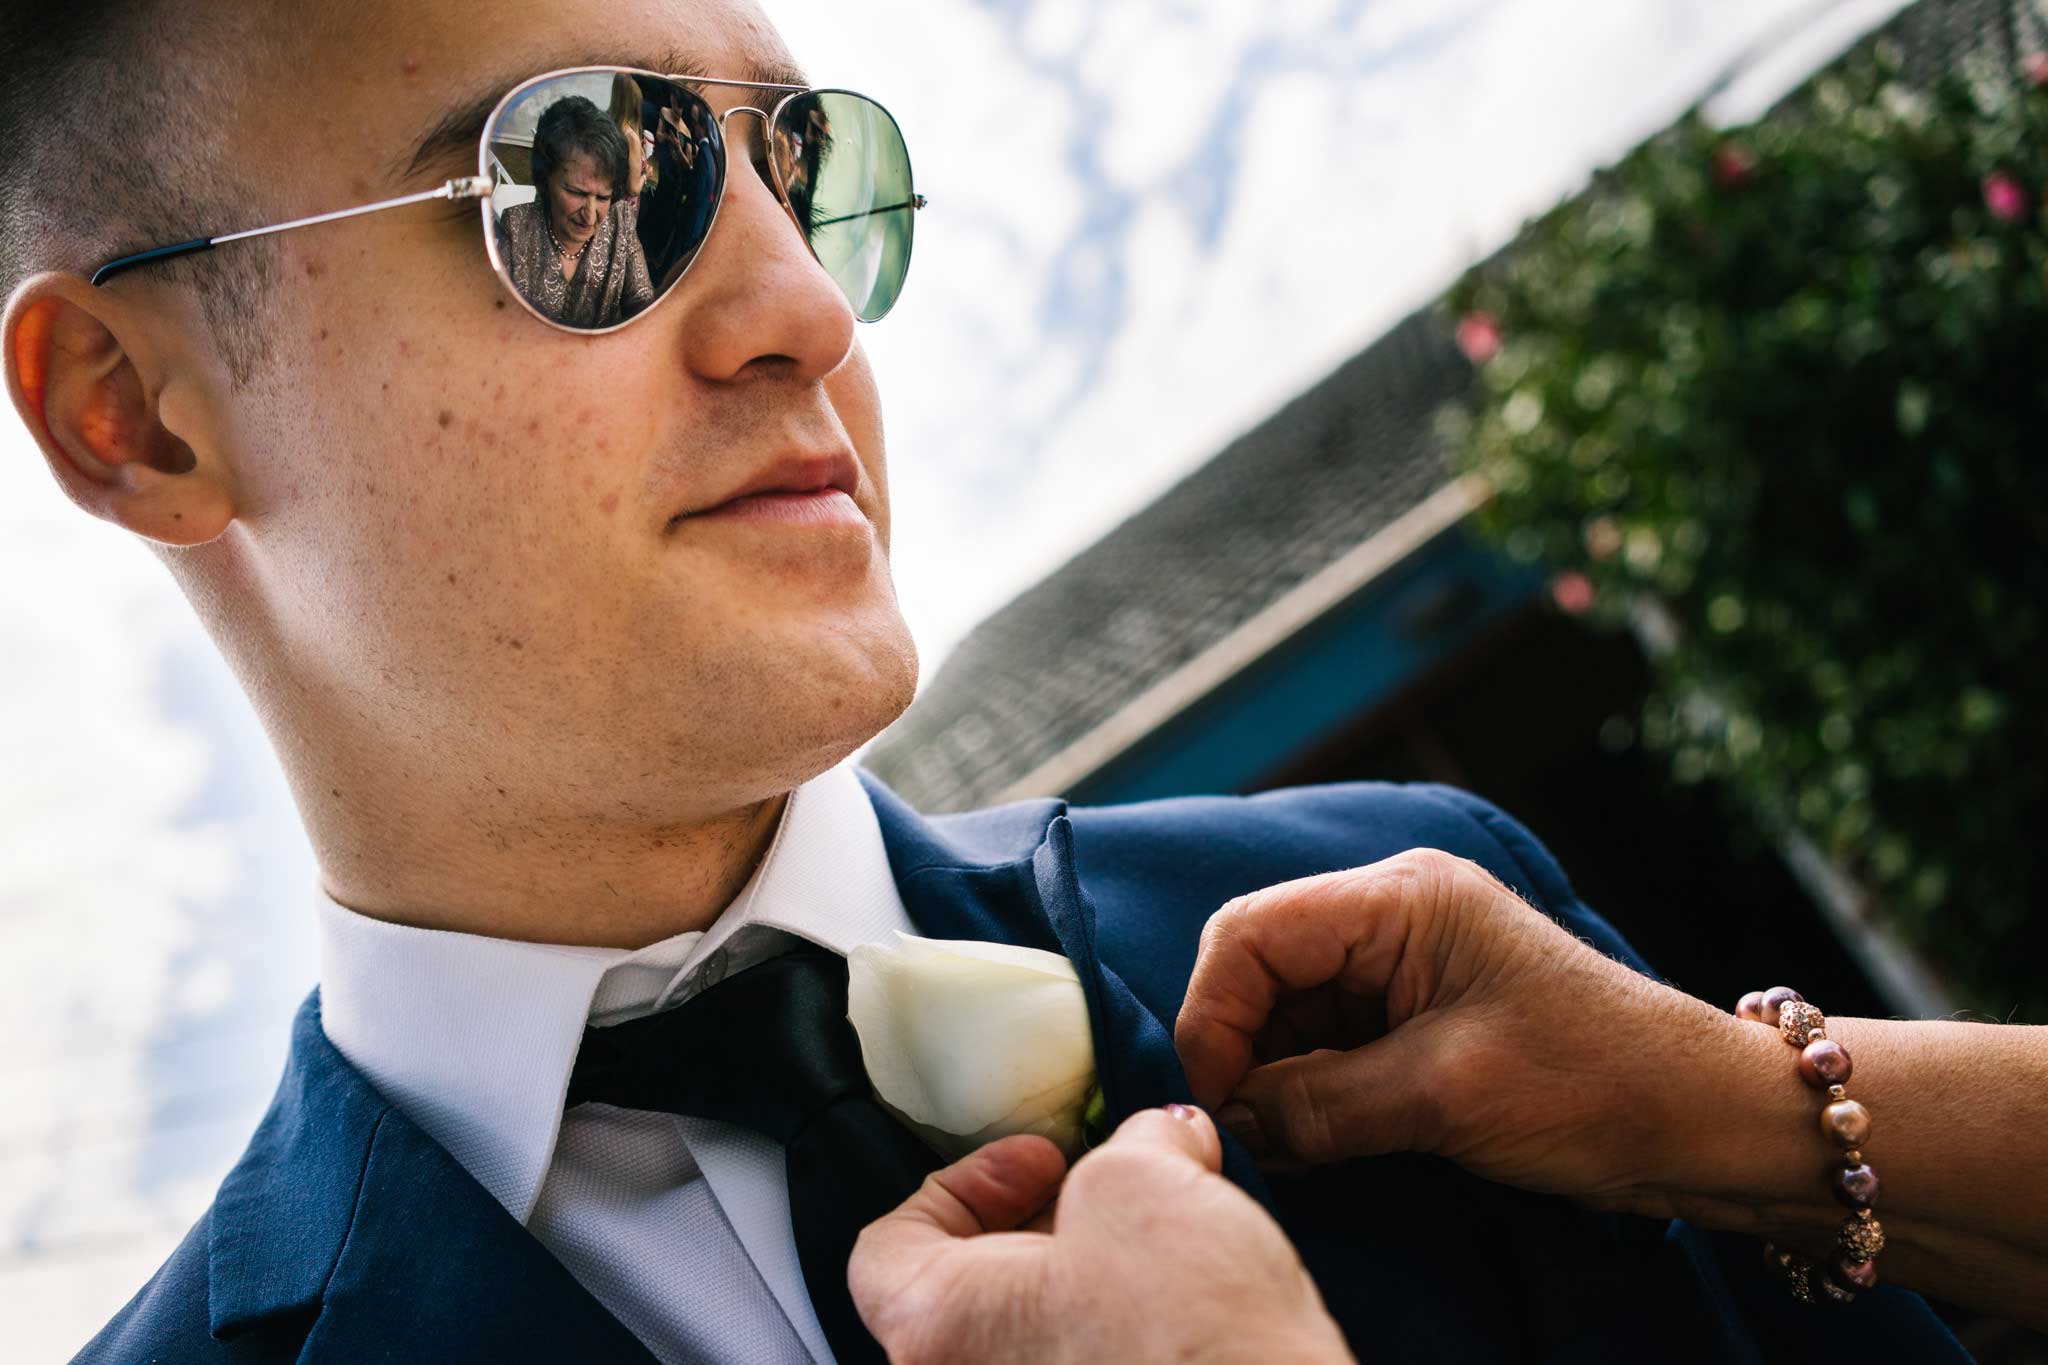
x=1356 y=656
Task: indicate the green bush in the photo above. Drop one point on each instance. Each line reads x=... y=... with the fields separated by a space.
x=1792 y=382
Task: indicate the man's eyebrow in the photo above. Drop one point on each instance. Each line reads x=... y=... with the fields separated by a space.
x=460 y=127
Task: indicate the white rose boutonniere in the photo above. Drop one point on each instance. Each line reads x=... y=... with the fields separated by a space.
x=969 y=1042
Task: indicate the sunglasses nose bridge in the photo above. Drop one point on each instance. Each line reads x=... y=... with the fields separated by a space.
x=725 y=122
x=767 y=122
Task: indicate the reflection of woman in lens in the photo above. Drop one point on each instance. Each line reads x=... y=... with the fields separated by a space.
x=676 y=212
x=625 y=112
x=568 y=252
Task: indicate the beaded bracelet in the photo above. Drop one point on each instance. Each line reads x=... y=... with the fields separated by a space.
x=1824 y=1065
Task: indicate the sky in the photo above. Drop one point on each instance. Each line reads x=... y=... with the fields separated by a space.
x=1151 y=223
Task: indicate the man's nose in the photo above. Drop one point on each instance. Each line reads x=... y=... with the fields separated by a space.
x=756 y=300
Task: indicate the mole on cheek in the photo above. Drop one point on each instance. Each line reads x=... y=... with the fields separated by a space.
x=445 y=417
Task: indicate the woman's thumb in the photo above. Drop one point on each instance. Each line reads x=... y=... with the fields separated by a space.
x=1326 y=1106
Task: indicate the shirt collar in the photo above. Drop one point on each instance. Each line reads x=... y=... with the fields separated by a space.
x=473 y=1037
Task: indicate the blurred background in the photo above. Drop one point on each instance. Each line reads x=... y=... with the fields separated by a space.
x=1627 y=409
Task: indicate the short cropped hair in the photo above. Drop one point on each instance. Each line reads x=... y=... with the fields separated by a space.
x=79 y=187
x=573 y=126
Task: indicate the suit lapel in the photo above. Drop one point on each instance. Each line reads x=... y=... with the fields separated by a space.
x=435 y=1266
x=1009 y=876
x=345 y=1222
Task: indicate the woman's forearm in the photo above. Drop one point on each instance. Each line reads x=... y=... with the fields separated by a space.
x=1959 y=1140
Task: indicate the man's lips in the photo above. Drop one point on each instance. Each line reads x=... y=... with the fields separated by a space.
x=799 y=488
x=819 y=507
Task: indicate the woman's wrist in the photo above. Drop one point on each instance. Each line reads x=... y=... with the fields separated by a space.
x=1747 y=1153
x=1947 y=1103
x=1954 y=1108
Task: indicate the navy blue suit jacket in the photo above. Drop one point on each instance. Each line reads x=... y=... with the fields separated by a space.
x=344 y=1234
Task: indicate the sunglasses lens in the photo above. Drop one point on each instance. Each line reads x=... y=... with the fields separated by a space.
x=606 y=183
x=846 y=171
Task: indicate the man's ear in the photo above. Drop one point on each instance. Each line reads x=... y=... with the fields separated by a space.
x=74 y=373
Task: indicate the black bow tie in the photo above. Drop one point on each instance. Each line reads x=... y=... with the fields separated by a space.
x=770 y=1049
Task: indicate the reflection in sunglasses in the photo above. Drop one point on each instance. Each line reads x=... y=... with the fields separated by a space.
x=607 y=182
x=571 y=247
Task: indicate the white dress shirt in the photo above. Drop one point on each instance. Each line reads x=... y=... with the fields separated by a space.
x=679 y=1226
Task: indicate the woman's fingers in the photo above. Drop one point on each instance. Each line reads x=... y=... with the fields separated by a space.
x=1327 y=1106
x=992 y=1189
x=909 y=1263
x=1349 y=927
x=1177 y=1128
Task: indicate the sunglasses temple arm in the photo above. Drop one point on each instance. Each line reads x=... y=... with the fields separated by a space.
x=141 y=258
x=462 y=187
x=916 y=201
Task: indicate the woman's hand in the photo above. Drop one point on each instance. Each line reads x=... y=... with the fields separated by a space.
x=1461 y=1021
x=1149 y=1255
x=1419 y=1005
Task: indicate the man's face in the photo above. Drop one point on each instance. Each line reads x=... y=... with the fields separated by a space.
x=481 y=552
x=579 y=197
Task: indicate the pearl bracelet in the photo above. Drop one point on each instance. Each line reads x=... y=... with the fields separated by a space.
x=1824 y=1064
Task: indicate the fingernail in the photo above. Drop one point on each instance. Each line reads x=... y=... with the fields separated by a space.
x=1241 y=1123
x=1184 y=1112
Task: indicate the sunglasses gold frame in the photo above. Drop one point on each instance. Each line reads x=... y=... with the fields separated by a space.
x=767 y=117
x=480 y=186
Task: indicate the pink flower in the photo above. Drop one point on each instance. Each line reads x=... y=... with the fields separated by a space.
x=1573 y=592
x=1734 y=165
x=2034 y=66
x=1479 y=337
x=2004 y=197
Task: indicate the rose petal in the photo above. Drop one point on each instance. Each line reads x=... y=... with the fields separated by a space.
x=976 y=1040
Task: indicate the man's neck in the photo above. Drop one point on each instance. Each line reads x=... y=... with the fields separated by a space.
x=619 y=888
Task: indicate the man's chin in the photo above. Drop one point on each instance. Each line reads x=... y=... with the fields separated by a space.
x=852 y=642
x=815 y=708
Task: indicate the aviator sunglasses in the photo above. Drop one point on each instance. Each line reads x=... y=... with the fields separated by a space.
x=599 y=185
